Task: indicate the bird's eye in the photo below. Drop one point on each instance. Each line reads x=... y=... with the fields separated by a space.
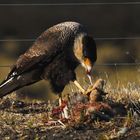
x=85 y=53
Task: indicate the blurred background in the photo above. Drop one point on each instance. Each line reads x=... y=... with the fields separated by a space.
x=115 y=25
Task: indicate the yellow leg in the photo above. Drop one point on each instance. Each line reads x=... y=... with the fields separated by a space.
x=79 y=86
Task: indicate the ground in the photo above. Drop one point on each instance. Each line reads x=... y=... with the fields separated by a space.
x=91 y=118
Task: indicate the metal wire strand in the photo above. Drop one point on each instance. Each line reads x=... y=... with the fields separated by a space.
x=96 y=38
x=72 y=4
x=98 y=65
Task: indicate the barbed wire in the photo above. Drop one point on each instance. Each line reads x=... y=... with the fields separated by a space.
x=102 y=64
x=72 y=4
x=96 y=38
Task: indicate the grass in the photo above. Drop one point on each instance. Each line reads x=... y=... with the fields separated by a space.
x=29 y=120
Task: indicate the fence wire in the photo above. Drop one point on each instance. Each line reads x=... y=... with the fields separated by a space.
x=98 y=65
x=72 y=4
x=96 y=38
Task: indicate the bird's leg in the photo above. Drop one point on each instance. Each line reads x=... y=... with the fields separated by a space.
x=60 y=99
x=64 y=113
x=60 y=103
x=79 y=86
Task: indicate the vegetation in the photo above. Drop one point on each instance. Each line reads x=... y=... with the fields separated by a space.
x=103 y=113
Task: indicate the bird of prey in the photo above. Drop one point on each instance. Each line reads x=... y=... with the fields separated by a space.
x=54 y=56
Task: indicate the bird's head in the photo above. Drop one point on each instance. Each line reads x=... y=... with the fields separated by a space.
x=85 y=51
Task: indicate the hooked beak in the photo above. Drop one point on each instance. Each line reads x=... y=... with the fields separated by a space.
x=88 y=66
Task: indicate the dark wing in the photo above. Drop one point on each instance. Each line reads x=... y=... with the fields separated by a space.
x=46 y=47
x=51 y=43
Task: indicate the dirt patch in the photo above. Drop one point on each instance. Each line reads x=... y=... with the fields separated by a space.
x=88 y=116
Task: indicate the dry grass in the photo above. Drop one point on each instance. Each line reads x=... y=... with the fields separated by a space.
x=31 y=120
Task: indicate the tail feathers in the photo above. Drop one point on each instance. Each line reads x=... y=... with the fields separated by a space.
x=8 y=86
x=14 y=83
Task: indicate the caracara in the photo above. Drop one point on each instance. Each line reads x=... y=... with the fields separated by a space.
x=54 y=56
